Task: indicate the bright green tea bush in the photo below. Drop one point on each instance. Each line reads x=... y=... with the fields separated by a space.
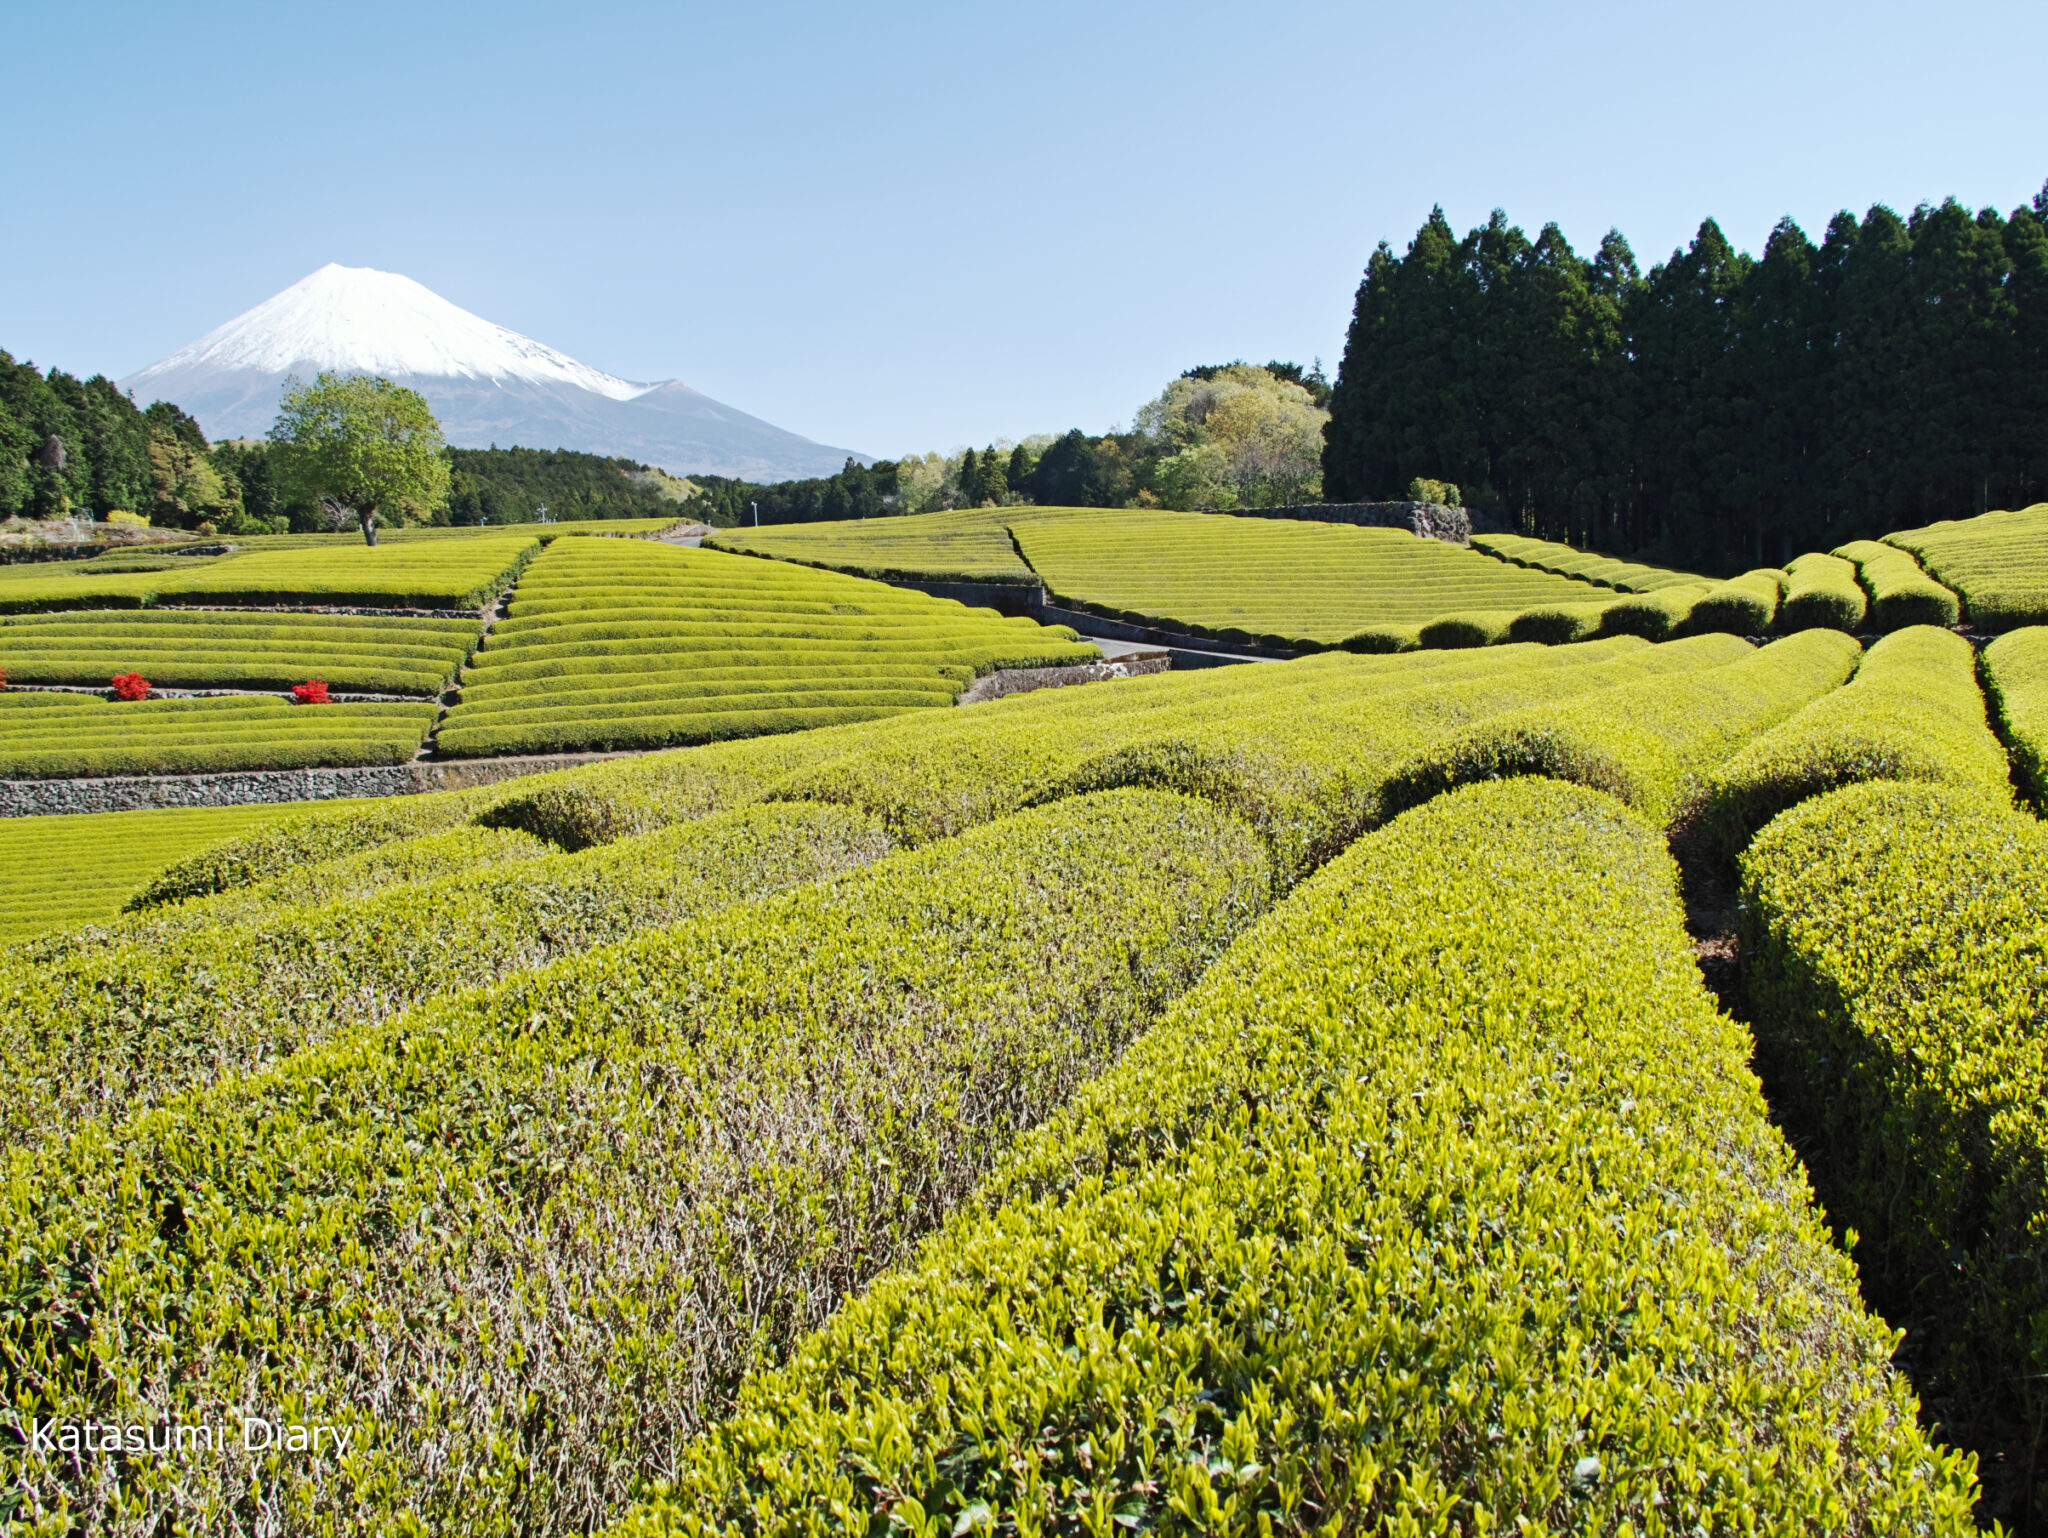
x=1295 y=583
x=1652 y=743
x=158 y=1004
x=1913 y=712
x=48 y=736
x=2016 y=677
x=60 y=872
x=1744 y=605
x=1821 y=592
x=1901 y=594
x=1558 y=624
x=1445 y=1203
x=1600 y=570
x=616 y=646
x=1894 y=943
x=1997 y=563
x=1300 y=751
x=187 y=649
x=306 y=835
x=418 y=574
x=1452 y=631
x=608 y=1189
x=1654 y=616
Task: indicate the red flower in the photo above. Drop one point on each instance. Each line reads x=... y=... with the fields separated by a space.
x=312 y=692
x=130 y=686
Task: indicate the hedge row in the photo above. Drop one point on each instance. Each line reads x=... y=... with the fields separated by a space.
x=1302 y=753
x=572 y=709
x=1997 y=564
x=1600 y=570
x=200 y=993
x=691 y=683
x=1913 y=712
x=343 y=674
x=1744 y=605
x=1893 y=945
x=607 y=1189
x=611 y=734
x=311 y=836
x=1901 y=594
x=1651 y=743
x=2016 y=677
x=1821 y=591
x=1445 y=1203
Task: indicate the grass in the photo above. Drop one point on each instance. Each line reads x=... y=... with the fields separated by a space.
x=183 y=649
x=612 y=645
x=61 y=872
x=1997 y=564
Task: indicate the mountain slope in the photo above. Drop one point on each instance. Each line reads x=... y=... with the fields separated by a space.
x=487 y=384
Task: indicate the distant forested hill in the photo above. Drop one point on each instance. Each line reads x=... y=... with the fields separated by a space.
x=527 y=485
x=1725 y=410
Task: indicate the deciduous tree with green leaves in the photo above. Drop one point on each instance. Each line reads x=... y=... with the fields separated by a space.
x=360 y=446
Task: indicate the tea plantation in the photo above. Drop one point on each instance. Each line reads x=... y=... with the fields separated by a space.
x=620 y=645
x=1283 y=1098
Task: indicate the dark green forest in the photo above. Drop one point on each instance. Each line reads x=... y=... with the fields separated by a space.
x=1723 y=410
x=82 y=448
x=494 y=485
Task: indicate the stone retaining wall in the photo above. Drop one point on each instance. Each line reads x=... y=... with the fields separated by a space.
x=1426 y=520
x=36 y=798
x=1023 y=680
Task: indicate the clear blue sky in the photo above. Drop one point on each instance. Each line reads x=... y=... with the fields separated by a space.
x=901 y=227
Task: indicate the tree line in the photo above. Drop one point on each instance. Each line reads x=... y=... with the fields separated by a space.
x=1720 y=412
x=82 y=448
x=1221 y=435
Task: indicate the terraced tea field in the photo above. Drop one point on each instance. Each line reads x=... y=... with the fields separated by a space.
x=1037 y=1057
x=62 y=736
x=1266 y=579
x=1600 y=570
x=210 y=649
x=60 y=872
x=1998 y=563
x=612 y=645
x=400 y=574
x=971 y=545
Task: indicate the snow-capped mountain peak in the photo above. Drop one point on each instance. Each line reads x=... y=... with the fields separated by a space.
x=357 y=320
x=485 y=382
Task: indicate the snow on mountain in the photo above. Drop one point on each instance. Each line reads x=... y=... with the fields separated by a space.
x=486 y=384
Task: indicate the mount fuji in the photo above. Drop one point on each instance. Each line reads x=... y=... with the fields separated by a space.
x=485 y=383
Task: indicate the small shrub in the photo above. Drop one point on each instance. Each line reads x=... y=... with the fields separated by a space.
x=312 y=692
x=1444 y=493
x=129 y=686
x=125 y=520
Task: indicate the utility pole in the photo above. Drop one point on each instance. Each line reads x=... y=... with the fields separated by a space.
x=757 y=515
